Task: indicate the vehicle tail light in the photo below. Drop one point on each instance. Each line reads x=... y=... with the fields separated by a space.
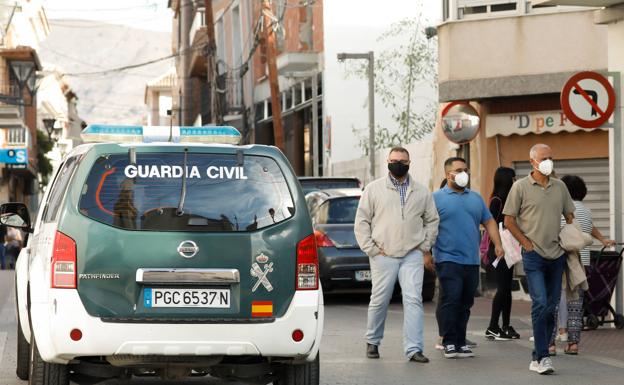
x=307 y=264
x=322 y=240
x=63 y=262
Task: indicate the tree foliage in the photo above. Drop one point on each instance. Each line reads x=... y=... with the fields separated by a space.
x=410 y=63
x=44 y=145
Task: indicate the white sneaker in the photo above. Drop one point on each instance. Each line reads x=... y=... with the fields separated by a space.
x=545 y=366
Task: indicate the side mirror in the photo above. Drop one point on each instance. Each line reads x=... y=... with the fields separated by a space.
x=16 y=215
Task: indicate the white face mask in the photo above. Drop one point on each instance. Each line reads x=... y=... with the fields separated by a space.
x=546 y=167
x=462 y=179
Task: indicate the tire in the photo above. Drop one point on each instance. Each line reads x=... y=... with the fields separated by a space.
x=619 y=321
x=43 y=373
x=302 y=374
x=592 y=322
x=23 y=354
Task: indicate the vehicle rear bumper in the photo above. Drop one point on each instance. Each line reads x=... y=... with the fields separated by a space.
x=53 y=322
x=338 y=267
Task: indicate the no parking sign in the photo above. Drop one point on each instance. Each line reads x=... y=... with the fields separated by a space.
x=588 y=99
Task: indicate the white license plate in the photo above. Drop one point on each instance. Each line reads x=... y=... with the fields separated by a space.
x=207 y=298
x=362 y=275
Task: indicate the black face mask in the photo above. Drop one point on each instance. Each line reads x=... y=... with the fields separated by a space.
x=398 y=169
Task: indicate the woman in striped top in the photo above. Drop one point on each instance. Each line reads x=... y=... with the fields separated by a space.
x=574 y=313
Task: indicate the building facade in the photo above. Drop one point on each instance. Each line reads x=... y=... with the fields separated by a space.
x=242 y=96
x=57 y=113
x=510 y=60
x=25 y=25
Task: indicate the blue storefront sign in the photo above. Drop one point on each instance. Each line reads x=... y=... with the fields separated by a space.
x=14 y=155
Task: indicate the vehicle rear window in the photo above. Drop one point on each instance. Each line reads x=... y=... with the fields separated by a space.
x=338 y=210
x=320 y=184
x=221 y=194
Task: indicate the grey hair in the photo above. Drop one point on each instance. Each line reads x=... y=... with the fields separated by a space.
x=533 y=151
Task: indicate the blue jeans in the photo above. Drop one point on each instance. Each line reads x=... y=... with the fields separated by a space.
x=2 y=255
x=458 y=283
x=544 y=279
x=384 y=272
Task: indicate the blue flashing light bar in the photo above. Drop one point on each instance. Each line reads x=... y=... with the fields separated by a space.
x=149 y=134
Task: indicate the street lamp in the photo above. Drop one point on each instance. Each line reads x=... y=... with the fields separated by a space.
x=25 y=72
x=371 y=103
x=51 y=127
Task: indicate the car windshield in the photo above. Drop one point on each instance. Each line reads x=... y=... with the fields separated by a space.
x=221 y=194
x=338 y=210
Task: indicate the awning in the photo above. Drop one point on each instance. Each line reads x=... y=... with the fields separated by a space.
x=534 y=122
x=581 y=3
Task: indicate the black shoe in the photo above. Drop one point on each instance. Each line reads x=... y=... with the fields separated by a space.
x=450 y=351
x=464 y=352
x=496 y=334
x=419 y=357
x=511 y=332
x=372 y=351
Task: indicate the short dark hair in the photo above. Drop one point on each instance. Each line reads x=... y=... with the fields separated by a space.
x=449 y=161
x=398 y=149
x=576 y=186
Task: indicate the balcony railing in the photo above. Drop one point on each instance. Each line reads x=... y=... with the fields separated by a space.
x=10 y=94
x=230 y=88
x=17 y=136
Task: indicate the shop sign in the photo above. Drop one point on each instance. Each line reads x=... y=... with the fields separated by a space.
x=14 y=155
x=522 y=123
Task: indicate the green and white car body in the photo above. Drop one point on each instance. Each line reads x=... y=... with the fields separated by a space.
x=150 y=251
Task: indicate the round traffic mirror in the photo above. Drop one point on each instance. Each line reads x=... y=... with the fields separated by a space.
x=460 y=122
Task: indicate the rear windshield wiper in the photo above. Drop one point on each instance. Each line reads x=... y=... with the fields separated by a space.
x=180 y=210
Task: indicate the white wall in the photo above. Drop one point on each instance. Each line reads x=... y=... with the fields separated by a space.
x=525 y=45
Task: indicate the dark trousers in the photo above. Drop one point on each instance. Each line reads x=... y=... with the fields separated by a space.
x=544 y=280
x=501 y=305
x=459 y=284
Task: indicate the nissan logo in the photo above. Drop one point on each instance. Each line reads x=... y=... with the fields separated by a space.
x=188 y=249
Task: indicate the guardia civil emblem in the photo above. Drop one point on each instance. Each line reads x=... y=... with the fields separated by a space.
x=260 y=270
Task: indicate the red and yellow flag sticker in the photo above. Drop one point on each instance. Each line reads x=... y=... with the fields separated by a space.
x=262 y=308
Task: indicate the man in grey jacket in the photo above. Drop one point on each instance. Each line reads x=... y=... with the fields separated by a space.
x=396 y=225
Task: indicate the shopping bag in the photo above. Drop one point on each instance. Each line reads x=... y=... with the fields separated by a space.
x=511 y=246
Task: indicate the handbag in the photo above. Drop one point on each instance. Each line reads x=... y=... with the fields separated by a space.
x=484 y=246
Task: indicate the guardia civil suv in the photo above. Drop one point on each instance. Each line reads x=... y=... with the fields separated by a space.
x=172 y=252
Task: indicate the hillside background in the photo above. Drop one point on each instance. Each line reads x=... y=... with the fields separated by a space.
x=77 y=46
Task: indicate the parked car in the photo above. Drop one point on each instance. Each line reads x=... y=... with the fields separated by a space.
x=170 y=259
x=312 y=183
x=342 y=264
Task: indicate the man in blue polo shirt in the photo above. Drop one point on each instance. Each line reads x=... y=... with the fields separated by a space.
x=456 y=253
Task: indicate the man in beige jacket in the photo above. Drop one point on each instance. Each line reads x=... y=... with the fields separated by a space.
x=396 y=225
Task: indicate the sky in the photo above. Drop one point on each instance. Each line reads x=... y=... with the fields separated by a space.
x=154 y=14
x=144 y=14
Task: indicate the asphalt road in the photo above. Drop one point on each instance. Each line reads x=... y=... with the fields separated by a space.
x=343 y=360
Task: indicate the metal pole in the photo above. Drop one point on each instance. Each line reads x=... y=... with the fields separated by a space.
x=617 y=136
x=371 y=114
x=315 y=129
